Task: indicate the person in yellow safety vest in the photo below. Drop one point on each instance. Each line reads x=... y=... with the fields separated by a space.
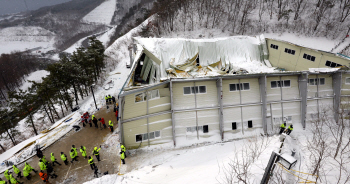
x=42 y=165
x=6 y=174
x=13 y=180
x=123 y=149
x=72 y=155
x=91 y=162
x=282 y=128
x=106 y=98
x=27 y=169
x=53 y=159
x=109 y=98
x=2 y=181
x=75 y=150
x=44 y=160
x=97 y=153
x=122 y=157
x=83 y=151
x=17 y=171
x=290 y=129
x=110 y=123
x=64 y=158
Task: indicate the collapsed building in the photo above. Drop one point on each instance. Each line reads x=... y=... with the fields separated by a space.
x=187 y=91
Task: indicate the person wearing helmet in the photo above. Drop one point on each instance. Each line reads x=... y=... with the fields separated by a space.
x=96 y=152
x=289 y=130
x=282 y=127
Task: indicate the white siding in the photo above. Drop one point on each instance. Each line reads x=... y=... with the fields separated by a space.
x=208 y=99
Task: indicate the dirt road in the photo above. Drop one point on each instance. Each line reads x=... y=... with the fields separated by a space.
x=90 y=137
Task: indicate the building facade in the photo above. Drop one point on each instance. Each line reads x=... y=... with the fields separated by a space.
x=225 y=107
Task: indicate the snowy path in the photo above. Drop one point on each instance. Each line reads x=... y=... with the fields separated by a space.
x=103 y=13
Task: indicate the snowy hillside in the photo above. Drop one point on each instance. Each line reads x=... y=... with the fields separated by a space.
x=102 y=14
x=24 y=38
x=35 y=76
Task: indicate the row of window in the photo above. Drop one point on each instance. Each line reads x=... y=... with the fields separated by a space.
x=239 y=86
x=195 y=89
x=289 y=51
x=282 y=83
x=274 y=46
x=234 y=125
x=315 y=82
x=146 y=136
x=140 y=97
x=204 y=128
x=309 y=57
x=332 y=64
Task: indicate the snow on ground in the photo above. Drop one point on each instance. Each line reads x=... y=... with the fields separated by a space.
x=102 y=14
x=104 y=38
x=35 y=76
x=26 y=38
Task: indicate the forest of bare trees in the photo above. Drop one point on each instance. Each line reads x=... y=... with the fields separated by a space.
x=325 y=18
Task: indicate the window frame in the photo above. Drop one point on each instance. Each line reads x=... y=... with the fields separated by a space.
x=289 y=51
x=281 y=83
x=316 y=81
x=347 y=83
x=239 y=86
x=136 y=137
x=251 y=123
x=309 y=57
x=205 y=129
x=193 y=88
x=234 y=123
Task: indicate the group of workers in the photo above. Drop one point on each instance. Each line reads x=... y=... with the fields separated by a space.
x=110 y=99
x=85 y=120
x=46 y=168
x=283 y=128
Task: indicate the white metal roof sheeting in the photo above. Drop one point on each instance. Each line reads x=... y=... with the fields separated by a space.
x=238 y=51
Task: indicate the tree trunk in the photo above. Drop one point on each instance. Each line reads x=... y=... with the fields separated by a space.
x=8 y=133
x=75 y=94
x=2 y=148
x=52 y=121
x=31 y=120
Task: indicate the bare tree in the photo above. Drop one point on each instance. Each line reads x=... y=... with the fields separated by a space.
x=238 y=170
x=298 y=7
x=323 y=6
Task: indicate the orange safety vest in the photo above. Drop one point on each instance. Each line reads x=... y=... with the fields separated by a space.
x=43 y=176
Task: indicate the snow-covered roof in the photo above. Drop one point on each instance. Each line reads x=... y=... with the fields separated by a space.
x=216 y=56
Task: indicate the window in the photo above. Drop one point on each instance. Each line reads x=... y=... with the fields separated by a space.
x=197 y=128
x=157 y=134
x=239 y=86
x=347 y=80
x=205 y=128
x=332 y=64
x=315 y=81
x=145 y=136
x=234 y=126
x=250 y=124
x=195 y=89
x=197 y=61
x=151 y=135
x=153 y=94
x=309 y=57
x=274 y=46
x=187 y=90
x=138 y=138
x=202 y=89
x=289 y=51
x=141 y=97
x=283 y=83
